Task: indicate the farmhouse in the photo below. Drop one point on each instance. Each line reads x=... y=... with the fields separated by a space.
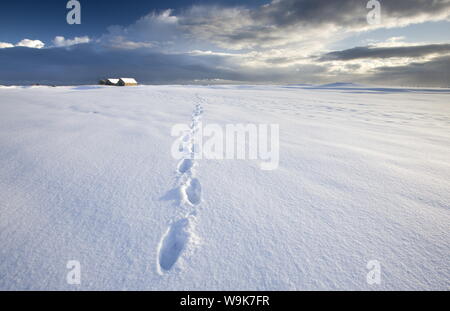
x=119 y=82
x=112 y=81
x=127 y=82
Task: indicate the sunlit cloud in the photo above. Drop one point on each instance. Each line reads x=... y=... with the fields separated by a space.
x=60 y=41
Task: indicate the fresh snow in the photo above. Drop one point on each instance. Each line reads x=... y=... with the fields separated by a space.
x=86 y=174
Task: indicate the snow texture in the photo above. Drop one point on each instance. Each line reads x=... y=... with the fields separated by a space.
x=86 y=174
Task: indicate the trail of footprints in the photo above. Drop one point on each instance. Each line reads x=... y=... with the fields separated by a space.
x=181 y=232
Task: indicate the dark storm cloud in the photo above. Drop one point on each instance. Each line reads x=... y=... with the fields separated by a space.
x=343 y=12
x=288 y=12
x=275 y=22
x=386 y=52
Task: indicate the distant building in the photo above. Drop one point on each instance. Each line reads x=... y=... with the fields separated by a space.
x=112 y=81
x=127 y=82
x=119 y=82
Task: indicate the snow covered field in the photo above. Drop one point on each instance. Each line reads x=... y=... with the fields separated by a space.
x=86 y=174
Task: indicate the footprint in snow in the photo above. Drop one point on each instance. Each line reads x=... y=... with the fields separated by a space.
x=193 y=192
x=185 y=165
x=173 y=244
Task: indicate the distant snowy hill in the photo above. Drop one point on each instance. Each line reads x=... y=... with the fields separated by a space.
x=86 y=174
x=340 y=84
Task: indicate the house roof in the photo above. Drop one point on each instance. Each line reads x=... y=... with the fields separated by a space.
x=128 y=80
x=113 y=80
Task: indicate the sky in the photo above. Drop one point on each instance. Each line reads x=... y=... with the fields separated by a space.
x=405 y=43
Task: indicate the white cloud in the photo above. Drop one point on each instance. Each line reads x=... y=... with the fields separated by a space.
x=60 y=41
x=156 y=31
x=120 y=42
x=4 y=45
x=36 y=44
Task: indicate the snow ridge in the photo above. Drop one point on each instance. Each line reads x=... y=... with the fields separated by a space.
x=180 y=237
